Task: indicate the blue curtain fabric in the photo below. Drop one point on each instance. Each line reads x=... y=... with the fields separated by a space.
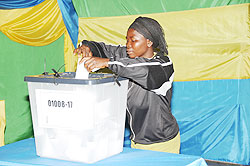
x=70 y=19
x=14 y=4
x=213 y=117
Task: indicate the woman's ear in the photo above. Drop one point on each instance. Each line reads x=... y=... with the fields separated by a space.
x=149 y=43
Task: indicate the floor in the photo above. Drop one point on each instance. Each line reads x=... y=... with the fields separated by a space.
x=219 y=163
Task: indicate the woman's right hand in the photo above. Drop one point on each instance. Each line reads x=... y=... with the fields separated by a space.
x=82 y=52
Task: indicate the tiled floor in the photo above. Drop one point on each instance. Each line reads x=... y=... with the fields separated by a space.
x=219 y=163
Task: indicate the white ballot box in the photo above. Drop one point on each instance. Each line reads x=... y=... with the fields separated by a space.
x=78 y=119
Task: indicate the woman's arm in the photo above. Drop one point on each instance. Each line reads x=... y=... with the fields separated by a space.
x=100 y=49
x=149 y=73
x=94 y=49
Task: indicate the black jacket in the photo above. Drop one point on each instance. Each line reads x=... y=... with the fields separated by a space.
x=149 y=94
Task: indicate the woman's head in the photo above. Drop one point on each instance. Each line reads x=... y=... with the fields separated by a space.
x=151 y=31
x=138 y=45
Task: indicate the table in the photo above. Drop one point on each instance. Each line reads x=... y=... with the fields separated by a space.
x=24 y=153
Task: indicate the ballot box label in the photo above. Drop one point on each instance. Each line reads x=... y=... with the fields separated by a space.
x=64 y=109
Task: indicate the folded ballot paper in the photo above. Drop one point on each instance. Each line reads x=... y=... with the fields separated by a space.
x=81 y=71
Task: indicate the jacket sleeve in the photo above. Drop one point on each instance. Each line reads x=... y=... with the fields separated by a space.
x=100 y=49
x=151 y=74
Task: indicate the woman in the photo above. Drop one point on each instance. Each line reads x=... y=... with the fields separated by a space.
x=145 y=63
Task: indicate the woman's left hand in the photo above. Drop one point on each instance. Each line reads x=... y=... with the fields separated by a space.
x=95 y=62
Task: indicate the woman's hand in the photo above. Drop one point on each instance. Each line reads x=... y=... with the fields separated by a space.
x=95 y=62
x=83 y=52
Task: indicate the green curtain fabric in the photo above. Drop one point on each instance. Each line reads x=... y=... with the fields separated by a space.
x=17 y=61
x=105 y=8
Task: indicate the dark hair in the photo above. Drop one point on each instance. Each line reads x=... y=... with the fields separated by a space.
x=151 y=30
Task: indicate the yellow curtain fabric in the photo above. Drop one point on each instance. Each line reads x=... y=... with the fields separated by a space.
x=35 y=26
x=2 y=121
x=69 y=59
x=204 y=44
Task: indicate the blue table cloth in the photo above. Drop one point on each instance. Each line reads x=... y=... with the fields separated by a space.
x=24 y=153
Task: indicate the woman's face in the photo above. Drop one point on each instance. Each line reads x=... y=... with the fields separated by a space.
x=137 y=45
